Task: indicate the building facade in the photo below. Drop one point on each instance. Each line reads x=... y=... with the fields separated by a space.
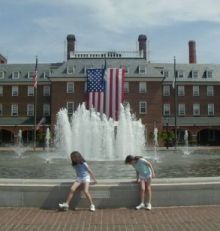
x=170 y=97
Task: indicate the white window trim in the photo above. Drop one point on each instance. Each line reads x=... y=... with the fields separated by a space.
x=69 y=102
x=142 y=69
x=12 y=90
x=181 y=93
x=67 y=88
x=140 y=103
x=196 y=91
x=144 y=89
x=46 y=109
x=30 y=91
x=164 y=107
x=12 y=106
x=30 y=112
x=166 y=88
x=194 y=109
x=180 y=74
x=212 y=92
x=2 y=74
x=46 y=90
x=179 y=111
x=15 y=76
x=211 y=113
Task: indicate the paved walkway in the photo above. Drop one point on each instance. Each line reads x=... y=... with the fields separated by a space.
x=204 y=218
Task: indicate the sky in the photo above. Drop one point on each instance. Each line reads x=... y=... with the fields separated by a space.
x=31 y=28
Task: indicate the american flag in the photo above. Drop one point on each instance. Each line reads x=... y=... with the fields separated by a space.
x=96 y=86
x=106 y=90
x=114 y=92
x=35 y=74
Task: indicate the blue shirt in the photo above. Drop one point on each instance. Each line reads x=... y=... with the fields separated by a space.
x=82 y=170
x=142 y=168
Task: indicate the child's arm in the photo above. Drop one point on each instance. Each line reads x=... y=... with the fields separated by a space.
x=151 y=167
x=92 y=174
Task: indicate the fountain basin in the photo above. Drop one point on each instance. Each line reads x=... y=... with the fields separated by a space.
x=44 y=193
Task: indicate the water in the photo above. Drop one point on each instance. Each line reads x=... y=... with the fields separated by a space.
x=200 y=163
x=97 y=137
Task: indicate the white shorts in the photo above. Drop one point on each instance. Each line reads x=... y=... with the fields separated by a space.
x=83 y=179
x=145 y=178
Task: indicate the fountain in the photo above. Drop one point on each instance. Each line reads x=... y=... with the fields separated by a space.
x=97 y=137
x=186 y=140
x=105 y=143
x=155 y=144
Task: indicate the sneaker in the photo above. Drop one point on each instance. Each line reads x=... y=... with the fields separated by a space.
x=148 y=206
x=92 y=207
x=64 y=206
x=140 y=206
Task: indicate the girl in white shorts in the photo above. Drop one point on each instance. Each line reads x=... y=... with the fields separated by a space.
x=83 y=173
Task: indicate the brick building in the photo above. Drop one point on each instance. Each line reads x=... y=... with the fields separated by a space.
x=148 y=88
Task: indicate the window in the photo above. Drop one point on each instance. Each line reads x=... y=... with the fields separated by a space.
x=31 y=74
x=142 y=87
x=166 y=109
x=46 y=109
x=1 y=90
x=85 y=86
x=70 y=87
x=15 y=75
x=30 y=110
x=1 y=110
x=126 y=87
x=180 y=74
x=195 y=90
x=209 y=74
x=166 y=73
x=142 y=107
x=196 y=109
x=181 y=109
x=210 y=109
x=181 y=90
x=210 y=91
x=30 y=91
x=2 y=74
x=70 y=108
x=14 y=91
x=87 y=67
x=14 y=110
x=70 y=69
x=141 y=69
x=195 y=74
x=46 y=91
x=166 y=90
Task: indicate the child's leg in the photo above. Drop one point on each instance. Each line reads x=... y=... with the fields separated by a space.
x=72 y=191
x=148 y=191
x=142 y=191
x=86 y=191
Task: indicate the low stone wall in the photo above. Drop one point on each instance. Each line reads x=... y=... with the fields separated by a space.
x=110 y=193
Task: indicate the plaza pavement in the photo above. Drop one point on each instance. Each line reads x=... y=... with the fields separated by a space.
x=202 y=218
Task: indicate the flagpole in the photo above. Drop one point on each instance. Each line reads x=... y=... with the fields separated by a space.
x=175 y=103
x=35 y=104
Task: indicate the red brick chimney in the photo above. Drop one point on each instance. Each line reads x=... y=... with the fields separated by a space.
x=192 y=51
x=70 y=44
x=142 y=39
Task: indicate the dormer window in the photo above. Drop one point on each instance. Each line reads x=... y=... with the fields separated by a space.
x=31 y=74
x=180 y=74
x=209 y=74
x=87 y=67
x=70 y=69
x=15 y=75
x=141 y=69
x=195 y=74
x=166 y=73
x=2 y=74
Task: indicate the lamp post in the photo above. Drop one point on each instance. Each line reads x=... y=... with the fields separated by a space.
x=175 y=103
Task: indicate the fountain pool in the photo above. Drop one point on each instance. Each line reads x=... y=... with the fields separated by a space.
x=52 y=165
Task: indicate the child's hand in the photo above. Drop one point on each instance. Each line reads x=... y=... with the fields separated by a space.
x=93 y=182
